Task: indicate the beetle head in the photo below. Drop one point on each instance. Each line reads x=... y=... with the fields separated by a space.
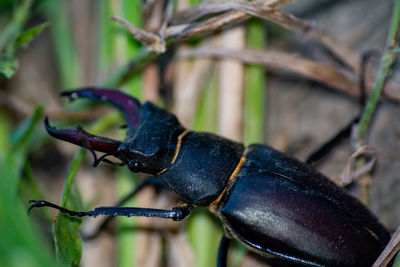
x=149 y=145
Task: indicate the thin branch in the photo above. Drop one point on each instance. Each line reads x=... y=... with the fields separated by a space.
x=390 y=250
x=152 y=41
x=195 y=12
x=237 y=13
x=350 y=173
x=274 y=60
x=265 y=10
x=240 y=11
x=345 y=81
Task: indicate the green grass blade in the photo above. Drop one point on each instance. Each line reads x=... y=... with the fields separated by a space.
x=25 y=37
x=397 y=260
x=67 y=241
x=12 y=30
x=254 y=84
x=106 y=30
x=126 y=239
x=204 y=234
x=206 y=115
x=20 y=147
x=5 y=126
x=20 y=244
x=21 y=137
x=67 y=58
x=387 y=60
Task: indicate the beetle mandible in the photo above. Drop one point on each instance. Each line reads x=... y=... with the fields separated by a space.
x=271 y=202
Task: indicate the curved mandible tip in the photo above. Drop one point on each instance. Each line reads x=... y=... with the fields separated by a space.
x=80 y=137
x=128 y=105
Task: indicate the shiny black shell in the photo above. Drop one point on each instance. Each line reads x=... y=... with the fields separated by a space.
x=280 y=206
x=270 y=201
x=202 y=167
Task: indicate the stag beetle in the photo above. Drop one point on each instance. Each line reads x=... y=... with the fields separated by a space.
x=271 y=202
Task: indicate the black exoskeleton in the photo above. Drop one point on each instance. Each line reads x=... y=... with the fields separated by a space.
x=273 y=203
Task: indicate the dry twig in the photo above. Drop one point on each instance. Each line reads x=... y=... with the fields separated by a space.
x=265 y=10
x=274 y=60
x=152 y=41
x=330 y=75
x=350 y=174
x=390 y=250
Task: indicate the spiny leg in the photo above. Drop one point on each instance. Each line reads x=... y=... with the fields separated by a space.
x=223 y=251
x=176 y=213
x=103 y=225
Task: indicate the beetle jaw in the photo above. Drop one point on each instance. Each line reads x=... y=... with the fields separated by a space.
x=128 y=105
x=80 y=137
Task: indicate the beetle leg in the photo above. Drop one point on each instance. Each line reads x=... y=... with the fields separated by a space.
x=128 y=105
x=176 y=213
x=316 y=156
x=80 y=137
x=223 y=251
x=151 y=180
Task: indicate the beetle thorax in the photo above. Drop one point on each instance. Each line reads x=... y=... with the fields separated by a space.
x=202 y=167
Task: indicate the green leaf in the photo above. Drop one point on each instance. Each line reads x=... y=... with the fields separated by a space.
x=67 y=241
x=11 y=31
x=25 y=37
x=8 y=65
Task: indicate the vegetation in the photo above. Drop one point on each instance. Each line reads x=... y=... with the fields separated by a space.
x=205 y=61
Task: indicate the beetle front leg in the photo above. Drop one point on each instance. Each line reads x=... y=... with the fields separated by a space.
x=103 y=225
x=176 y=213
x=223 y=251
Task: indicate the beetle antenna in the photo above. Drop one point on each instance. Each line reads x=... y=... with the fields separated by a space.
x=87 y=145
x=103 y=158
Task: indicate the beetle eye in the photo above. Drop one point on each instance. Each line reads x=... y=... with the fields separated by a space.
x=135 y=166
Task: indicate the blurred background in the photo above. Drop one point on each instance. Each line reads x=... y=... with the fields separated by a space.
x=291 y=84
